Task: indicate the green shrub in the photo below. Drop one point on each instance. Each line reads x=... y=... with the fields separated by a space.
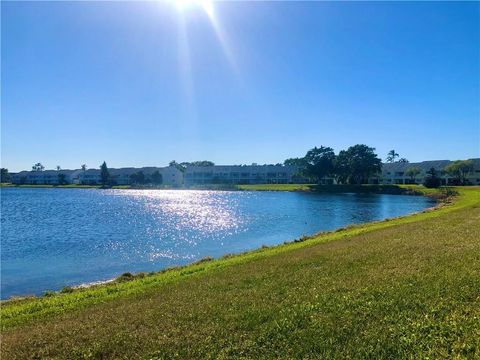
x=432 y=180
x=204 y=259
x=67 y=290
x=125 y=277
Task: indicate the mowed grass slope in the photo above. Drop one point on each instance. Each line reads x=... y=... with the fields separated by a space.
x=405 y=288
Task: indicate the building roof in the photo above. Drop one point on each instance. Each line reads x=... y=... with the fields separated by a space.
x=44 y=172
x=243 y=168
x=424 y=165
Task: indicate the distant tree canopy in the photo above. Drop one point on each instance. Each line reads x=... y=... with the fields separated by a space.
x=38 y=167
x=4 y=175
x=183 y=165
x=412 y=172
x=403 y=160
x=83 y=167
x=58 y=167
x=176 y=165
x=138 y=178
x=198 y=163
x=156 y=178
x=105 y=178
x=356 y=164
x=459 y=170
x=295 y=162
x=62 y=179
x=319 y=162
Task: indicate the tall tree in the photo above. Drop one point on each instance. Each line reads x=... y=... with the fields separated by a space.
x=300 y=174
x=84 y=167
x=319 y=162
x=300 y=162
x=412 y=172
x=392 y=155
x=38 y=167
x=356 y=164
x=58 y=168
x=177 y=165
x=4 y=175
x=104 y=174
x=459 y=170
x=432 y=180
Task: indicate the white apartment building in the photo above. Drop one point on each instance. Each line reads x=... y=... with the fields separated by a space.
x=48 y=177
x=395 y=173
x=239 y=174
x=171 y=176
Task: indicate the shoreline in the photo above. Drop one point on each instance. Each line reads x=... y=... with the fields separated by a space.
x=132 y=275
x=435 y=194
x=392 y=189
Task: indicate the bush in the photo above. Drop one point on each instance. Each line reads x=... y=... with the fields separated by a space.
x=203 y=260
x=66 y=290
x=125 y=277
x=432 y=182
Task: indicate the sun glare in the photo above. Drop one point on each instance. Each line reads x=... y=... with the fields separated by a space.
x=183 y=5
x=185 y=8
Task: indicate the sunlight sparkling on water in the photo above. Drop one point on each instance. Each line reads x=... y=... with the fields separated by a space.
x=186 y=215
x=54 y=238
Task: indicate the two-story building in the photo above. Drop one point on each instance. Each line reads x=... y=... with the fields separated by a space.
x=46 y=177
x=397 y=173
x=171 y=176
x=239 y=174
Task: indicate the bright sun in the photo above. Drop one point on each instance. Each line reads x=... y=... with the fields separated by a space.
x=183 y=5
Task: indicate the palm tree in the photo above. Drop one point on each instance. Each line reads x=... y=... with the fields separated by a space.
x=38 y=167
x=391 y=156
x=413 y=172
x=84 y=167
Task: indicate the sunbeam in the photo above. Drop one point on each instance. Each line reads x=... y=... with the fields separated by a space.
x=208 y=8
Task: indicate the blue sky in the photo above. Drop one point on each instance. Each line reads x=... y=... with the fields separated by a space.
x=143 y=83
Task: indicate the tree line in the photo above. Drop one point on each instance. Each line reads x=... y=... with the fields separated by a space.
x=352 y=166
x=360 y=162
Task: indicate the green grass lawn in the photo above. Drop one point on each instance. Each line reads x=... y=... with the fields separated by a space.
x=383 y=189
x=402 y=288
x=276 y=187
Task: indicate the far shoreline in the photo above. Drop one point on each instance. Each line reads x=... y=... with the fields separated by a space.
x=440 y=197
x=394 y=189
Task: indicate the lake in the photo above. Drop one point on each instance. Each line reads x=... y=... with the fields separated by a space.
x=52 y=238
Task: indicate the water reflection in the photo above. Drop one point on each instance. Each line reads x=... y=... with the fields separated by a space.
x=53 y=238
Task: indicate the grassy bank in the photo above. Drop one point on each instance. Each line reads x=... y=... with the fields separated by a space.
x=407 y=287
x=365 y=189
x=378 y=189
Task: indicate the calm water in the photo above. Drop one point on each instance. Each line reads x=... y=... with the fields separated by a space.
x=51 y=238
